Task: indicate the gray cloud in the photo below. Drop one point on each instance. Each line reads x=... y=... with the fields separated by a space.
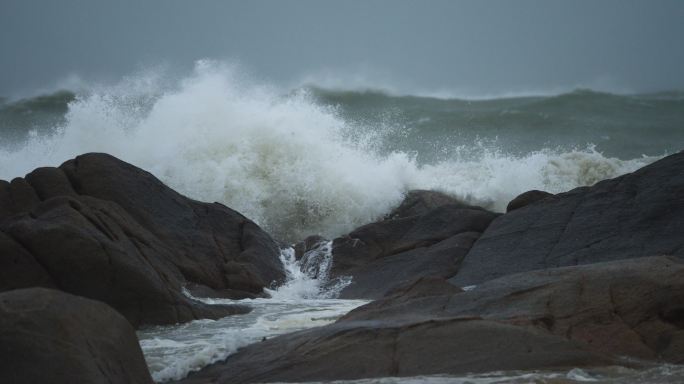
x=463 y=46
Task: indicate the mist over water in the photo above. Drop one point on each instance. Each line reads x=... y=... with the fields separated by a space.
x=312 y=161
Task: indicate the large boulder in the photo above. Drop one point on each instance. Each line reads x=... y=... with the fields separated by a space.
x=568 y=317
x=420 y=201
x=629 y=307
x=48 y=336
x=104 y=229
x=635 y=215
x=212 y=242
x=349 y=351
x=383 y=255
x=527 y=198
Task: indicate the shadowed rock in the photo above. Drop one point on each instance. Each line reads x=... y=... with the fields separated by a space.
x=104 y=229
x=383 y=255
x=526 y=198
x=419 y=202
x=47 y=336
x=628 y=308
x=308 y=244
x=635 y=215
x=204 y=236
x=560 y=318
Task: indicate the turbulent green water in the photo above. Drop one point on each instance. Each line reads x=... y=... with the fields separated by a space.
x=38 y=115
x=321 y=161
x=623 y=126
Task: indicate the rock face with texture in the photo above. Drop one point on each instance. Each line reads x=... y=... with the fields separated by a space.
x=383 y=255
x=48 y=336
x=527 y=198
x=635 y=215
x=629 y=307
x=560 y=318
x=419 y=202
x=104 y=229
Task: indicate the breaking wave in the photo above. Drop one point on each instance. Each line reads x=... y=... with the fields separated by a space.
x=295 y=165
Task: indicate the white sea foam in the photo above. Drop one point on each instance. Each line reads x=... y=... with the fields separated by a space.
x=172 y=352
x=309 y=277
x=305 y=300
x=654 y=374
x=295 y=167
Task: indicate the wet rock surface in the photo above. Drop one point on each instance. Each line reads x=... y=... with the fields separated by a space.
x=527 y=198
x=584 y=278
x=623 y=308
x=104 y=229
x=47 y=336
x=636 y=215
x=566 y=317
x=419 y=202
x=383 y=255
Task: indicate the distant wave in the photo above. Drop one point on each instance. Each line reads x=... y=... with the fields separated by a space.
x=456 y=96
x=302 y=162
x=42 y=113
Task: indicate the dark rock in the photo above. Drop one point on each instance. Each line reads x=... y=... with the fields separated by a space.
x=50 y=182
x=204 y=236
x=635 y=215
x=426 y=286
x=18 y=267
x=420 y=202
x=103 y=229
x=20 y=197
x=527 y=198
x=625 y=308
x=378 y=277
x=348 y=351
x=383 y=255
x=568 y=317
x=308 y=244
x=93 y=248
x=47 y=336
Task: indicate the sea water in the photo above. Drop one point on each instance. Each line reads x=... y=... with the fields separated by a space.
x=308 y=160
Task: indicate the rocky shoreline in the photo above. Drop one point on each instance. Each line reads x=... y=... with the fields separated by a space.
x=95 y=248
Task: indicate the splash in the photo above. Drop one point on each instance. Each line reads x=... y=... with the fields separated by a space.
x=293 y=165
x=305 y=300
x=309 y=277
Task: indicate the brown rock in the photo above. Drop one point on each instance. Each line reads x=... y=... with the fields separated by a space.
x=581 y=316
x=384 y=255
x=48 y=336
x=420 y=202
x=640 y=214
x=527 y=198
x=103 y=229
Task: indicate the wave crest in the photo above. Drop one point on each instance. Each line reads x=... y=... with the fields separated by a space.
x=294 y=166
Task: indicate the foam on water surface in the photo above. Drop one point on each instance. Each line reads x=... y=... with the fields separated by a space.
x=654 y=374
x=172 y=352
x=293 y=165
x=305 y=300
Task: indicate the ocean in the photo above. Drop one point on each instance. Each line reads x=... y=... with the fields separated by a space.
x=308 y=160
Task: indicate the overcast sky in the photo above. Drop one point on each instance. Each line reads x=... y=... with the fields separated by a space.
x=479 y=47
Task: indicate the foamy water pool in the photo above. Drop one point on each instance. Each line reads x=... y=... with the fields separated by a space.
x=306 y=299
x=172 y=352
